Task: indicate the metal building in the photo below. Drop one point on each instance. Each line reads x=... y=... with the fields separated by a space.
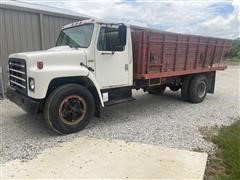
x=28 y=27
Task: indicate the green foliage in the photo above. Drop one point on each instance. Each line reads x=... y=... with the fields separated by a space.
x=235 y=51
x=228 y=142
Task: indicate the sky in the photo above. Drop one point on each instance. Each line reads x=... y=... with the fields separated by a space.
x=218 y=18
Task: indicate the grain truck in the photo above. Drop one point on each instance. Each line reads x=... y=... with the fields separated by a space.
x=96 y=64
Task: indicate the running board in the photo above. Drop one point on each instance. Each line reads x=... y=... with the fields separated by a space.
x=119 y=101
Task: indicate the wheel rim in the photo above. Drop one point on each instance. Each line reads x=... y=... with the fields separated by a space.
x=72 y=110
x=202 y=89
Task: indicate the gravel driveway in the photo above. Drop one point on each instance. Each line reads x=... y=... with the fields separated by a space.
x=165 y=120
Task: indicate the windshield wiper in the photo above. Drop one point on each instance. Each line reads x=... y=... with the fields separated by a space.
x=72 y=46
x=75 y=46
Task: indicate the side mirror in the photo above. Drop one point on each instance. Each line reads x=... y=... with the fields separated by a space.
x=123 y=34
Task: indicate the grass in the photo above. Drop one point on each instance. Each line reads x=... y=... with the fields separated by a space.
x=225 y=163
x=233 y=61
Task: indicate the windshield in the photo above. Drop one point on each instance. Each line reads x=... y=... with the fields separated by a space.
x=79 y=36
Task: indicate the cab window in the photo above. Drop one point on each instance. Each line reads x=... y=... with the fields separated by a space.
x=109 y=39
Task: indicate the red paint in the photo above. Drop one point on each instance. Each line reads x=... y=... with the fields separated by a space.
x=40 y=65
x=161 y=54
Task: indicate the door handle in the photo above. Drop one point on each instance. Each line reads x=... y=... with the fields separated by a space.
x=111 y=53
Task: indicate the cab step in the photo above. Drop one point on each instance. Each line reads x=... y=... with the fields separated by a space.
x=119 y=101
x=117 y=96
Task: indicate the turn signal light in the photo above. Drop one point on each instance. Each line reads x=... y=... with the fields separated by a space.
x=39 y=64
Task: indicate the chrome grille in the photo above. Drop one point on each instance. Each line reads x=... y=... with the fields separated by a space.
x=18 y=74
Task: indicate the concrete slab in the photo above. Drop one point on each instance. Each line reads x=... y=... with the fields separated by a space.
x=97 y=158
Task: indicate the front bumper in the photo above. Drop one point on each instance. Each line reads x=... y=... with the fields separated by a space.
x=26 y=103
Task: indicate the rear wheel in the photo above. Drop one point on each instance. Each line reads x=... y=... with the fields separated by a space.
x=198 y=89
x=69 y=108
x=158 y=90
x=185 y=88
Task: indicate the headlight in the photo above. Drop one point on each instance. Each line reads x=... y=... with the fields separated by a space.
x=31 y=84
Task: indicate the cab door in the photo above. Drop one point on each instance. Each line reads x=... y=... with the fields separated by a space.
x=112 y=56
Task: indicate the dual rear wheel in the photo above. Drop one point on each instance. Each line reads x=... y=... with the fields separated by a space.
x=193 y=88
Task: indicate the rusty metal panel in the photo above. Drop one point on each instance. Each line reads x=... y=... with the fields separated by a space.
x=137 y=47
x=160 y=54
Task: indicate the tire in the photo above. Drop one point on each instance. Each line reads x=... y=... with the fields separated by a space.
x=185 y=88
x=198 y=89
x=159 y=90
x=174 y=88
x=69 y=108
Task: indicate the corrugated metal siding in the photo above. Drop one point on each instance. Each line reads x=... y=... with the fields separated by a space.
x=20 y=31
x=1 y=85
x=51 y=29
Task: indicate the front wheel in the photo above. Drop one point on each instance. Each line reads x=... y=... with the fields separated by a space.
x=69 y=108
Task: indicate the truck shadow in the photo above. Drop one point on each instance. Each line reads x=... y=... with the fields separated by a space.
x=31 y=124
x=145 y=104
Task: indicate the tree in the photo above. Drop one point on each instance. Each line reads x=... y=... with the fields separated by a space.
x=235 y=50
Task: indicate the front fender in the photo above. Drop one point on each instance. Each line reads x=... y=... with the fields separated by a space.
x=43 y=78
x=47 y=74
x=97 y=86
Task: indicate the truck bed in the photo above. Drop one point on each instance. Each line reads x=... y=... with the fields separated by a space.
x=159 y=54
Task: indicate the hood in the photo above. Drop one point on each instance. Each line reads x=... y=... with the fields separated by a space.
x=60 y=55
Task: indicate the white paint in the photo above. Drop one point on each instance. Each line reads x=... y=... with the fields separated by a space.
x=110 y=67
x=63 y=61
x=105 y=97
